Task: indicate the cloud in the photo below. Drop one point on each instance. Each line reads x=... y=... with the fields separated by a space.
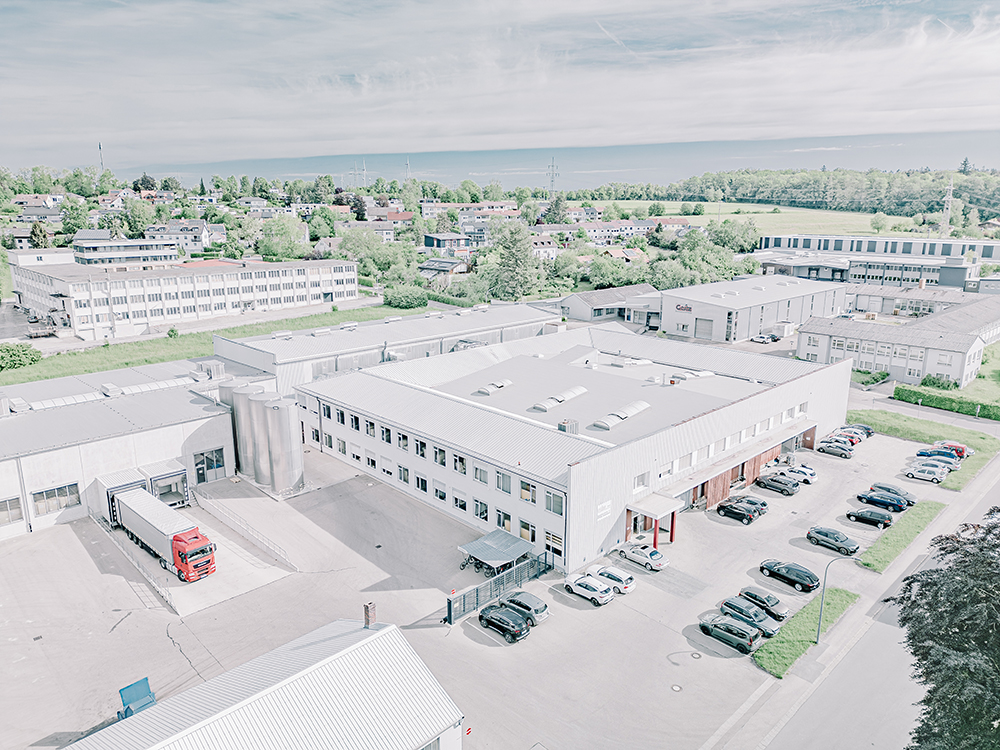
x=196 y=80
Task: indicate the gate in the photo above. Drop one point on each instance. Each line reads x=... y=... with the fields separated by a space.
x=472 y=599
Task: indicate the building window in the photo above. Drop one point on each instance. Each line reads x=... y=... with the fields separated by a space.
x=528 y=492
x=355 y=452
x=402 y=441
x=916 y=354
x=420 y=483
x=481 y=509
x=899 y=351
x=370 y=461
x=370 y=428
x=812 y=341
x=328 y=441
x=209 y=466
x=554 y=502
x=341 y=447
x=640 y=482
x=527 y=531
x=553 y=544
x=884 y=350
x=387 y=435
x=913 y=372
x=404 y=474
x=459 y=463
x=440 y=494
x=481 y=474
x=10 y=511
x=315 y=435
x=459 y=502
x=420 y=448
x=682 y=327
x=50 y=501
x=503 y=482
x=811 y=357
x=868 y=347
x=355 y=423
x=340 y=416
x=837 y=344
x=503 y=520
x=944 y=359
x=440 y=456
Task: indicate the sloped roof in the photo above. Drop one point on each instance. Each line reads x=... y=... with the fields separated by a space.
x=969 y=318
x=497 y=548
x=905 y=335
x=341 y=687
x=613 y=295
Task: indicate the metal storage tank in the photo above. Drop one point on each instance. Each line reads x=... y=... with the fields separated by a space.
x=258 y=436
x=226 y=389
x=285 y=443
x=244 y=434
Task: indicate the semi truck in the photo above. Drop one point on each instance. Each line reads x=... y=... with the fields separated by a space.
x=163 y=532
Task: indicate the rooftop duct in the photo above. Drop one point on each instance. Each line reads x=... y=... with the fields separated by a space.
x=560 y=398
x=393 y=318
x=349 y=325
x=110 y=389
x=321 y=332
x=281 y=335
x=618 y=416
x=493 y=387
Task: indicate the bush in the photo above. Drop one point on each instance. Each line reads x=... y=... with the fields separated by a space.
x=934 y=381
x=333 y=309
x=13 y=356
x=958 y=404
x=866 y=377
x=448 y=300
x=405 y=297
x=365 y=281
x=173 y=333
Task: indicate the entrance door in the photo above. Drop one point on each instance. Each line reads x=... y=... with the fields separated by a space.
x=702 y=328
x=637 y=523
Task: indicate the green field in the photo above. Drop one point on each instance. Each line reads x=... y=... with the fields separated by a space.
x=185 y=346
x=905 y=528
x=926 y=432
x=789 y=220
x=798 y=634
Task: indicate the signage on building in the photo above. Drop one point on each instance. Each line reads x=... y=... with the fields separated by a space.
x=684 y=308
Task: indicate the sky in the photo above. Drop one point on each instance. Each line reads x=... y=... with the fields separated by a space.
x=191 y=82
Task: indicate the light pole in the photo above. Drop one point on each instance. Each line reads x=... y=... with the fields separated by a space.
x=822 y=598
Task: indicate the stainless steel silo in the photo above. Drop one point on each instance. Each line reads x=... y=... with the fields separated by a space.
x=226 y=388
x=285 y=445
x=258 y=435
x=244 y=430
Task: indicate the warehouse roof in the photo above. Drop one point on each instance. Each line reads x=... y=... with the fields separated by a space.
x=340 y=687
x=612 y=296
x=931 y=293
x=305 y=345
x=905 y=335
x=970 y=318
x=746 y=292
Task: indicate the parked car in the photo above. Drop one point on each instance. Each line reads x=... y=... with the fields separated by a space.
x=851 y=437
x=961 y=449
x=745 y=514
x=839 y=440
x=927 y=474
x=883 y=500
x=835 y=449
x=529 y=606
x=620 y=581
x=870 y=516
x=854 y=431
x=938 y=462
x=778 y=483
x=800 y=473
x=774 y=337
x=508 y=623
x=937 y=452
x=766 y=601
x=644 y=554
x=753 y=502
x=590 y=588
x=761 y=339
x=795 y=575
x=833 y=539
x=751 y=614
x=892 y=489
x=730 y=631
x=864 y=428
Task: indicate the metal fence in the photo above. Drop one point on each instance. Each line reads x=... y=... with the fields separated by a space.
x=242 y=527
x=472 y=599
x=156 y=585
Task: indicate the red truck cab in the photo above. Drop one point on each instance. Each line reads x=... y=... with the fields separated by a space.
x=194 y=555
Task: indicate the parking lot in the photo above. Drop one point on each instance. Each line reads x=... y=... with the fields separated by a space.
x=78 y=622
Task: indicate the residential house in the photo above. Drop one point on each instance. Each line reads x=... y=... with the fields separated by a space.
x=22 y=237
x=217 y=234
x=383 y=229
x=543 y=246
x=251 y=202
x=191 y=235
x=400 y=218
x=442 y=270
x=31 y=214
x=447 y=241
x=627 y=254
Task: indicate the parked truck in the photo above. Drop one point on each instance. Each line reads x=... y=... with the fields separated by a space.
x=164 y=533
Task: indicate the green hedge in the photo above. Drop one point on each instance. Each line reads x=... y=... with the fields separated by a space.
x=405 y=297
x=958 y=404
x=456 y=301
x=365 y=281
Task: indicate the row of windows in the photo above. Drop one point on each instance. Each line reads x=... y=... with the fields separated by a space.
x=887 y=246
x=883 y=350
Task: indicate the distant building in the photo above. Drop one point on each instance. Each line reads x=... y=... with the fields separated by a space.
x=602 y=304
x=190 y=235
x=906 y=245
x=251 y=202
x=543 y=246
x=442 y=268
x=382 y=229
x=446 y=241
x=22 y=239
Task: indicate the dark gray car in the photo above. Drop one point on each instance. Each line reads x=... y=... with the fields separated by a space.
x=833 y=539
x=730 y=631
x=766 y=601
x=751 y=614
x=778 y=483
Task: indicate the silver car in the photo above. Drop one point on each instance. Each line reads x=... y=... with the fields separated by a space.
x=529 y=606
x=644 y=554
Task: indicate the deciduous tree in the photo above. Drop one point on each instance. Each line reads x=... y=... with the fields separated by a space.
x=879 y=222
x=39 y=235
x=74 y=216
x=144 y=183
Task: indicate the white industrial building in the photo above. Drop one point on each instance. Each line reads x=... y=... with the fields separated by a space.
x=299 y=357
x=576 y=440
x=343 y=686
x=602 y=304
x=736 y=310
x=913 y=244
x=908 y=300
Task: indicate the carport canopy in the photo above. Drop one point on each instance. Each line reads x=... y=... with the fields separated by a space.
x=656 y=506
x=497 y=548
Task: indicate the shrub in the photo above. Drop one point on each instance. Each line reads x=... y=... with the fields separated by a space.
x=448 y=300
x=866 y=377
x=956 y=403
x=365 y=281
x=333 y=309
x=13 y=356
x=935 y=381
x=173 y=333
x=405 y=297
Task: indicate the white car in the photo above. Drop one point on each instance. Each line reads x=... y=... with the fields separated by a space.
x=927 y=474
x=644 y=554
x=852 y=431
x=589 y=588
x=620 y=581
x=801 y=473
x=760 y=339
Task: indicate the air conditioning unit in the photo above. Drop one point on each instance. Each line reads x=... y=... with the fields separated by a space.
x=570 y=427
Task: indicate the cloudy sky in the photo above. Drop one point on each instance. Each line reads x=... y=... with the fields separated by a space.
x=188 y=81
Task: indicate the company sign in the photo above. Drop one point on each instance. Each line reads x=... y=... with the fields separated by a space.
x=684 y=308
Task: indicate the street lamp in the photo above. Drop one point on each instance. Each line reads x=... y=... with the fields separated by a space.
x=822 y=598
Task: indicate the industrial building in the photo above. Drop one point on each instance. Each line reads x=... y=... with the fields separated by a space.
x=736 y=310
x=908 y=300
x=344 y=686
x=602 y=304
x=574 y=441
x=297 y=358
x=901 y=245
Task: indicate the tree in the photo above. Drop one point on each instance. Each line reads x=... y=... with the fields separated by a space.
x=201 y=188
x=74 y=216
x=108 y=182
x=966 y=167
x=556 y=213
x=475 y=192
x=516 y=268
x=114 y=222
x=41 y=180
x=443 y=225
x=405 y=297
x=529 y=212
x=738 y=236
x=13 y=356
x=656 y=209
x=81 y=182
x=261 y=188
x=522 y=195
x=493 y=191
x=952 y=621
x=699 y=209
x=144 y=183
x=686 y=209
x=39 y=235
x=879 y=222
x=411 y=195
x=138 y=216
x=281 y=238
x=319 y=228
x=358 y=207
x=172 y=184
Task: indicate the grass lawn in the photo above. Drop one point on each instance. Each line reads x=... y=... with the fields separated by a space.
x=798 y=633
x=905 y=528
x=926 y=431
x=131 y=354
x=985 y=388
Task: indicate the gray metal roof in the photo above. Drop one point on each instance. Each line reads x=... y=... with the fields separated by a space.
x=613 y=295
x=970 y=318
x=756 y=290
x=930 y=293
x=302 y=345
x=497 y=548
x=341 y=687
x=904 y=335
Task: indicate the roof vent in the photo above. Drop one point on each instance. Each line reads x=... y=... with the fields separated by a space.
x=434 y=314
x=110 y=389
x=321 y=332
x=618 y=416
x=215 y=369
x=720 y=295
x=760 y=289
x=560 y=398
x=493 y=387
x=393 y=318
x=570 y=427
x=481 y=308
x=350 y=325
x=4 y=405
x=19 y=405
x=733 y=293
x=281 y=334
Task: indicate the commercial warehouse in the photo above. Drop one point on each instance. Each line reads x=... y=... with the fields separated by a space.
x=575 y=440
x=900 y=245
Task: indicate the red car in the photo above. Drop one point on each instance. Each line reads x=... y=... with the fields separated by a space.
x=962 y=451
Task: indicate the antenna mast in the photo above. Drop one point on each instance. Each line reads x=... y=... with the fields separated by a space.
x=407 y=167
x=365 y=168
x=552 y=177
x=101 y=152
x=946 y=220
